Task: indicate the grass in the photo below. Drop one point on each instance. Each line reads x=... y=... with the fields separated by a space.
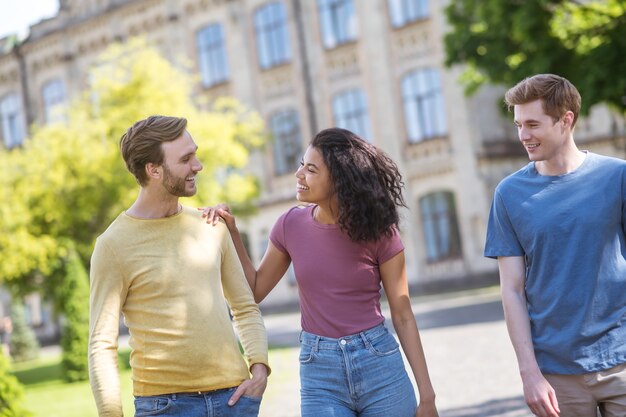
x=48 y=395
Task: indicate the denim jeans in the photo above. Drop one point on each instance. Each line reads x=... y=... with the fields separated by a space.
x=212 y=404
x=358 y=375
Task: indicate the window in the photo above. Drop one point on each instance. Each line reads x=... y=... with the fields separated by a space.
x=212 y=55
x=272 y=40
x=441 y=230
x=350 y=112
x=338 y=22
x=285 y=126
x=424 y=110
x=403 y=12
x=12 y=121
x=54 y=101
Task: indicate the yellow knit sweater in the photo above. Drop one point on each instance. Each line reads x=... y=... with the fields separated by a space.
x=170 y=278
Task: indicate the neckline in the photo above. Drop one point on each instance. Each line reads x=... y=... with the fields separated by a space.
x=173 y=216
x=311 y=216
x=567 y=175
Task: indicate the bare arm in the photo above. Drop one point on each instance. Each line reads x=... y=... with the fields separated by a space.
x=273 y=265
x=393 y=275
x=538 y=393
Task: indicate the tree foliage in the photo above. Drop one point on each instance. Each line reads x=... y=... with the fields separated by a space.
x=74 y=291
x=11 y=392
x=68 y=181
x=504 y=41
x=23 y=343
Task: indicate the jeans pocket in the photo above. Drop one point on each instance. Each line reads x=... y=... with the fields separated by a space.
x=247 y=406
x=384 y=345
x=151 y=406
x=247 y=397
x=306 y=354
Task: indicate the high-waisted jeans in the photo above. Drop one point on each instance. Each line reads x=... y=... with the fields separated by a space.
x=358 y=375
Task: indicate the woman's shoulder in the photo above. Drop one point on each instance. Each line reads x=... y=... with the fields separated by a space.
x=299 y=212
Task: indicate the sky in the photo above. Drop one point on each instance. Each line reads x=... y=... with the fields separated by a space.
x=17 y=15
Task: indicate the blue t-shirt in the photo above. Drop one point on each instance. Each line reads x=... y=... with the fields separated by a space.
x=570 y=229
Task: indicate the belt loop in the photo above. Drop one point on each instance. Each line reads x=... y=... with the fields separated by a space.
x=365 y=339
x=174 y=397
x=317 y=343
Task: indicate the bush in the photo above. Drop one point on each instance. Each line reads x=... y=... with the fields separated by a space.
x=75 y=332
x=11 y=392
x=23 y=344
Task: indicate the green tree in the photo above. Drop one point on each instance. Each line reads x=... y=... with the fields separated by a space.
x=11 y=392
x=504 y=41
x=23 y=344
x=68 y=181
x=74 y=293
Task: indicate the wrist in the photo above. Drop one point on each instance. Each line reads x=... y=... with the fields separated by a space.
x=259 y=370
x=427 y=399
x=529 y=368
x=232 y=229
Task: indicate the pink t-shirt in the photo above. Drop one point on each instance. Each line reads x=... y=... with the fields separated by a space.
x=338 y=279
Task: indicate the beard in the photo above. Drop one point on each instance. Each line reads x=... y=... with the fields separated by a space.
x=176 y=186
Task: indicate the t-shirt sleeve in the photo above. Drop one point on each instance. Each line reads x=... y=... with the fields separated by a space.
x=389 y=246
x=501 y=237
x=277 y=235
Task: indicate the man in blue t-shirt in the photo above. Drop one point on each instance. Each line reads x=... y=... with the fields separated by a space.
x=557 y=228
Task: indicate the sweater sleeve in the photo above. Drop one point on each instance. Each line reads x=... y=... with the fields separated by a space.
x=245 y=311
x=107 y=292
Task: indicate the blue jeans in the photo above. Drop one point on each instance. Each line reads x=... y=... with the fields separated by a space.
x=358 y=375
x=211 y=404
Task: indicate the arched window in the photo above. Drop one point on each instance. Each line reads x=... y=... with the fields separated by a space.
x=12 y=120
x=338 y=22
x=272 y=39
x=285 y=127
x=350 y=112
x=212 y=55
x=403 y=12
x=441 y=230
x=424 y=110
x=53 y=93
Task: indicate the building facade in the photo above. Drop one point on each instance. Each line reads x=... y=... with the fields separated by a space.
x=371 y=66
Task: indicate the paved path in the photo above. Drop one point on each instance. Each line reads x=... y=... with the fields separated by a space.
x=471 y=361
x=470 y=358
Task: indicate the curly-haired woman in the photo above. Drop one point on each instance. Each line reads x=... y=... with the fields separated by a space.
x=343 y=244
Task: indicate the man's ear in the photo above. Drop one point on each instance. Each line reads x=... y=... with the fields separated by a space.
x=154 y=171
x=568 y=119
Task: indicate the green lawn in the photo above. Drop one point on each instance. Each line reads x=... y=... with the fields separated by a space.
x=47 y=395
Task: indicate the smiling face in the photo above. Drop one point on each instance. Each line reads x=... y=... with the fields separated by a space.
x=180 y=166
x=542 y=137
x=314 y=183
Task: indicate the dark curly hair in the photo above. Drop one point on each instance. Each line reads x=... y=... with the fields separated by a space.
x=366 y=181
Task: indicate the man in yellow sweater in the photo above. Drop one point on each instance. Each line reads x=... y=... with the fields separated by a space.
x=172 y=278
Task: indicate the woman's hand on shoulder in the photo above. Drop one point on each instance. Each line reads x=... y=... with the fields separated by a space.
x=213 y=214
